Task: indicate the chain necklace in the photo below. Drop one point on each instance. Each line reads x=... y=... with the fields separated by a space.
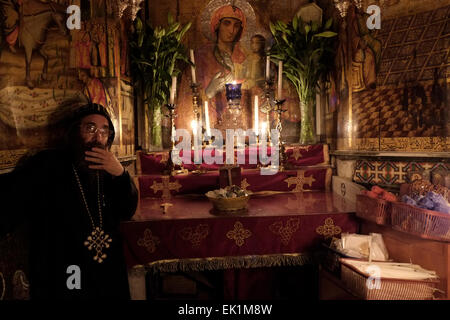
x=98 y=239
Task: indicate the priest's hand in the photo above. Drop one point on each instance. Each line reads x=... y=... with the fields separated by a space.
x=104 y=160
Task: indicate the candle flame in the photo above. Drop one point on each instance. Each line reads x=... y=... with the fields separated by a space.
x=263 y=126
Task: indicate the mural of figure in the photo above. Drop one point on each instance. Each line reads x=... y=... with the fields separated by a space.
x=341 y=63
x=365 y=55
x=255 y=64
x=93 y=89
x=82 y=48
x=33 y=18
x=363 y=67
x=10 y=10
x=98 y=49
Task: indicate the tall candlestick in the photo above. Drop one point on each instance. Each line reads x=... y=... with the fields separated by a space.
x=267 y=68
x=280 y=79
x=256 y=124
x=208 y=128
x=194 y=79
x=173 y=89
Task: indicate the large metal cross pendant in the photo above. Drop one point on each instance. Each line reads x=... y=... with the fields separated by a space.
x=98 y=240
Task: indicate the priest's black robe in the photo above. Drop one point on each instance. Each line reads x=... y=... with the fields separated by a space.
x=45 y=193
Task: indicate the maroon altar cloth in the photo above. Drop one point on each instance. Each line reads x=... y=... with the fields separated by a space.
x=277 y=224
x=296 y=156
x=316 y=179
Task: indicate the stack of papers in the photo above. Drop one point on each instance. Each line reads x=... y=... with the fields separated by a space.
x=392 y=270
x=370 y=247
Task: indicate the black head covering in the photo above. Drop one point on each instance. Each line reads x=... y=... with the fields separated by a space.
x=93 y=108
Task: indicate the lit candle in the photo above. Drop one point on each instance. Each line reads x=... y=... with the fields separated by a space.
x=267 y=68
x=255 y=126
x=194 y=79
x=263 y=128
x=208 y=129
x=280 y=79
x=173 y=89
x=194 y=130
x=173 y=134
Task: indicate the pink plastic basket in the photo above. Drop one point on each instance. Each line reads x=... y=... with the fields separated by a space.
x=375 y=210
x=424 y=223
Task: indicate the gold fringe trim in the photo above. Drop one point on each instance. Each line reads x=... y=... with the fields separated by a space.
x=233 y=262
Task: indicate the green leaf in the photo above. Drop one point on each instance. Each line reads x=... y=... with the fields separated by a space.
x=139 y=24
x=307 y=28
x=140 y=39
x=272 y=29
x=326 y=34
x=185 y=29
x=174 y=27
x=328 y=24
x=295 y=23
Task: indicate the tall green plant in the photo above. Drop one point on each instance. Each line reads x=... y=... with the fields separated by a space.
x=307 y=51
x=154 y=56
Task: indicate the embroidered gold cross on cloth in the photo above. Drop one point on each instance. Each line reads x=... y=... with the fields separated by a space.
x=166 y=187
x=299 y=181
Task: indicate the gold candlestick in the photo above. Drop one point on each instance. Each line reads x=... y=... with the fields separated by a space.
x=196 y=103
x=170 y=165
x=281 y=149
x=267 y=106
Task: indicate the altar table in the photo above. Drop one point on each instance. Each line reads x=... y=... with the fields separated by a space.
x=279 y=229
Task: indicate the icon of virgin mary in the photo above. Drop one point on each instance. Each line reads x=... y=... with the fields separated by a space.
x=221 y=59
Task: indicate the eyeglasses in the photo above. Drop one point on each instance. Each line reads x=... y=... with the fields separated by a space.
x=92 y=129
